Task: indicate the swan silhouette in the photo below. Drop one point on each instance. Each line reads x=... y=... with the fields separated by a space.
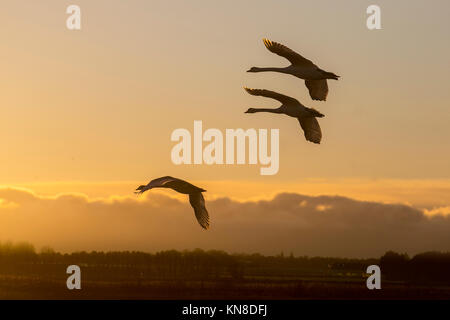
x=293 y=108
x=315 y=78
x=195 y=195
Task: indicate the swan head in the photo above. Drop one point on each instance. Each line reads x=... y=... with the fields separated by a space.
x=316 y=113
x=142 y=189
x=253 y=69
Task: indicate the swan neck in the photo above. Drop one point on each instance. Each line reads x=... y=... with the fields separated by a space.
x=274 y=69
x=268 y=110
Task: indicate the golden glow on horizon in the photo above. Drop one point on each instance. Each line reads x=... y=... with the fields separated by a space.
x=293 y=222
x=418 y=193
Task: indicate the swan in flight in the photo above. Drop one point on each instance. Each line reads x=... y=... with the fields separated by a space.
x=195 y=195
x=293 y=108
x=315 y=78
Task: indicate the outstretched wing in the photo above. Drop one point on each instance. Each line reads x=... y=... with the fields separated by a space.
x=271 y=94
x=311 y=128
x=287 y=53
x=198 y=203
x=318 y=89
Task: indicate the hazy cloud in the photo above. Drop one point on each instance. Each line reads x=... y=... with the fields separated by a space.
x=304 y=225
x=445 y=211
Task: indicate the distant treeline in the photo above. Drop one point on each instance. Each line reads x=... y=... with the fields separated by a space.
x=23 y=259
x=425 y=267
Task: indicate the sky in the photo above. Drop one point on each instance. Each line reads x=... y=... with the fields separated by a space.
x=89 y=113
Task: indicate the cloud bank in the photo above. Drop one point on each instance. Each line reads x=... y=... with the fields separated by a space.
x=304 y=225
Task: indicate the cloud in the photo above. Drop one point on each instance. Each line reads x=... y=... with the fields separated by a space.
x=289 y=222
x=444 y=211
x=419 y=193
x=322 y=207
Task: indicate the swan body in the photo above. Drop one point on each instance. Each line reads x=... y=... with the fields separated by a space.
x=195 y=195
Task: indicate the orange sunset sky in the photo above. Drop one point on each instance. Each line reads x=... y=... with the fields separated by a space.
x=87 y=115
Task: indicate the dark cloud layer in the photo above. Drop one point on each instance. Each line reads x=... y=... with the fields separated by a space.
x=304 y=225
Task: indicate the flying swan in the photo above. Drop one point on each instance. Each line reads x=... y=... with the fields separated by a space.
x=195 y=195
x=293 y=108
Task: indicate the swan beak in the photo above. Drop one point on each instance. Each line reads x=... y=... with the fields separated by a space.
x=140 y=190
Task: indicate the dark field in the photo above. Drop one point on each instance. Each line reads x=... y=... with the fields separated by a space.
x=23 y=288
x=199 y=274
